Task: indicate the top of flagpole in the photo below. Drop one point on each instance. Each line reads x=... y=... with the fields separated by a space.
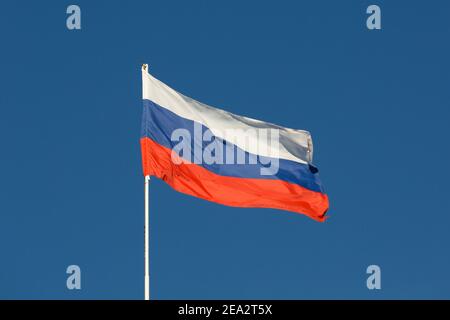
x=145 y=67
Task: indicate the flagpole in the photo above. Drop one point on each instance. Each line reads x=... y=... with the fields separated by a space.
x=146 y=226
x=146 y=240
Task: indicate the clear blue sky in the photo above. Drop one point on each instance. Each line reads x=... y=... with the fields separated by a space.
x=376 y=102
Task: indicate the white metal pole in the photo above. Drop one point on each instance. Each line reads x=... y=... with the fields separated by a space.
x=146 y=225
x=146 y=241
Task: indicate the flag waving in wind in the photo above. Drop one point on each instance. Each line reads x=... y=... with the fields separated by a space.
x=218 y=156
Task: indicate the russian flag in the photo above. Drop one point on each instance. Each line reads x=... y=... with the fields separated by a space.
x=225 y=158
